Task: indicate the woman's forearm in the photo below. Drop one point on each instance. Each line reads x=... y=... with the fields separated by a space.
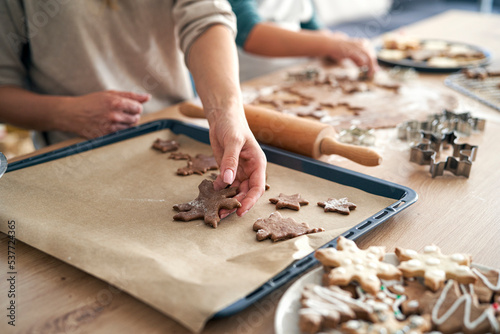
x=29 y=110
x=267 y=39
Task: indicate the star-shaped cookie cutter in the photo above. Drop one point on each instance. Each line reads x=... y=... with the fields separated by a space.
x=425 y=153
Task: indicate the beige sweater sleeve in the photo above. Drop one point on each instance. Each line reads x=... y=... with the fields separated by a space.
x=193 y=17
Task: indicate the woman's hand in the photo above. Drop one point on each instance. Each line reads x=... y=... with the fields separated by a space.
x=241 y=160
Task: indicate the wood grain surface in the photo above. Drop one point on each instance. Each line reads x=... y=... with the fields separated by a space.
x=458 y=214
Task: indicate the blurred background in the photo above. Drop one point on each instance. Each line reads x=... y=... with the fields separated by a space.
x=358 y=18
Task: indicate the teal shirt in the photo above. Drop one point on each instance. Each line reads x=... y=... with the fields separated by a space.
x=247 y=17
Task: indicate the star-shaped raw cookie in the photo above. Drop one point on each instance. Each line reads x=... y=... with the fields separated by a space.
x=415 y=324
x=288 y=201
x=179 y=156
x=165 y=146
x=200 y=164
x=434 y=266
x=278 y=228
x=207 y=204
x=353 y=264
x=338 y=205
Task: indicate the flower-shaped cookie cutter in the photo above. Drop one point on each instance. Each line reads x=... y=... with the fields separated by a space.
x=425 y=153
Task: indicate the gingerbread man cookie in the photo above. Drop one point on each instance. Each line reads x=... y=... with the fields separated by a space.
x=338 y=205
x=277 y=228
x=200 y=164
x=288 y=201
x=207 y=204
x=353 y=264
x=165 y=146
x=435 y=267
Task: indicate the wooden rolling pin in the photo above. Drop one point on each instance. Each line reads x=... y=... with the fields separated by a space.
x=298 y=135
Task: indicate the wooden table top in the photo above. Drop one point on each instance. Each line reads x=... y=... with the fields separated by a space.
x=456 y=213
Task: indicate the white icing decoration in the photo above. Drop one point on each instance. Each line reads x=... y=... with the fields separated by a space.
x=458 y=257
x=432 y=261
x=411 y=252
x=359 y=267
x=413 y=303
x=372 y=278
x=370 y=256
x=340 y=270
x=486 y=281
x=347 y=261
x=358 y=261
x=430 y=249
x=467 y=299
x=414 y=263
x=464 y=269
x=372 y=265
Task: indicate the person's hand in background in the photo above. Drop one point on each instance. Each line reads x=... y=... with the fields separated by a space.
x=89 y=116
x=101 y=113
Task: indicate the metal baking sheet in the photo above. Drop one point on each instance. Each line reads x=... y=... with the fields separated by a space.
x=403 y=196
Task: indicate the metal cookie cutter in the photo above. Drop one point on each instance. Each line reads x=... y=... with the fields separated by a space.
x=425 y=153
x=446 y=121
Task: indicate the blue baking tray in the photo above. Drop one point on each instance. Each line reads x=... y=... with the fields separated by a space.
x=403 y=196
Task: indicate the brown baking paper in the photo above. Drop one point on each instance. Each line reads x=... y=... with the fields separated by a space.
x=109 y=212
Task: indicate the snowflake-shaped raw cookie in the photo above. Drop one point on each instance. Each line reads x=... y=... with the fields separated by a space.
x=353 y=264
x=207 y=204
x=435 y=267
x=338 y=205
x=277 y=228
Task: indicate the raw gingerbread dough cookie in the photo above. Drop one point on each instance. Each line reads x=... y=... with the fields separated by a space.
x=434 y=266
x=288 y=201
x=353 y=264
x=278 y=228
x=207 y=204
x=179 y=156
x=200 y=164
x=338 y=205
x=165 y=146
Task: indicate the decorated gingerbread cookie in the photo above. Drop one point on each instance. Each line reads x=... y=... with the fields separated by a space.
x=415 y=324
x=325 y=307
x=200 y=164
x=457 y=311
x=165 y=146
x=353 y=264
x=487 y=285
x=338 y=205
x=207 y=204
x=435 y=267
x=278 y=228
x=288 y=201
